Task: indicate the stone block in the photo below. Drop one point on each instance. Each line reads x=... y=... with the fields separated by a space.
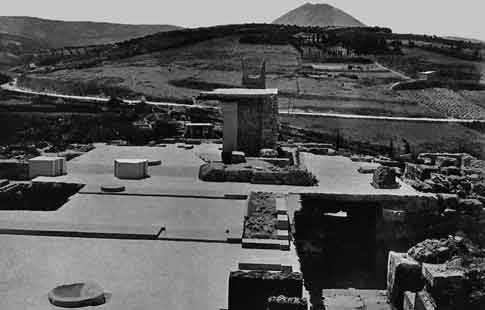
x=132 y=169
x=242 y=175
x=282 y=222
x=470 y=206
x=419 y=172
x=409 y=300
x=238 y=157
x=385 y=178
x=424 y=301
x=367 y=169
x=403 y=274
x=268 y=153
x=213 y=172
x=448 y=201
x=251 y=289
x=283 y=234
x=444 y=161
x=286 y=303
x=450 y=170
x=279 y=162
x=479 y=188
x=446 y=286
x=388 y=162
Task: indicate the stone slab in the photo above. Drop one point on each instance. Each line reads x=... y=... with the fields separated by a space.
x=283 y=234
x=281 y=207
x=403 y=274
x=446 y=286
x=265 y=267
x=409 y=300
x=80 y=230
x=266 y=244
x=424 y=301
x=352 y=299
x=282 y=222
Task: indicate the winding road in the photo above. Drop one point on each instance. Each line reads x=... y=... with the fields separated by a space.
x=12 y=87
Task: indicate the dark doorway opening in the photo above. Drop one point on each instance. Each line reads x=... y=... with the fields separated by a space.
x=336 y=244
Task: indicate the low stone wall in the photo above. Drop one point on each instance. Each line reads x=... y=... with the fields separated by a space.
x=218 y=172
x=252 y=289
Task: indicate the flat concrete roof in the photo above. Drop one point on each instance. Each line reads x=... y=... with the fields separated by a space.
x=236 y=93
x=191 y=218
x=139 y=274
x=180 y=168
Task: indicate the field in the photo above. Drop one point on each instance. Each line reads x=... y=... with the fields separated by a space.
x=180 y=74
x=422 y=137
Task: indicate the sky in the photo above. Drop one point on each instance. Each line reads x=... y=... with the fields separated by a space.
x=464 y=18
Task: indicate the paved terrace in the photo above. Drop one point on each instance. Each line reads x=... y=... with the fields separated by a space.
x=140 y=274
x=172 y=203
x=161 y=273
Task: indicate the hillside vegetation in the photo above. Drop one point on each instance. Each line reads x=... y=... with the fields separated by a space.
x=55 y=33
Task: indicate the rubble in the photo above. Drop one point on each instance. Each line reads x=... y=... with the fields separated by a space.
x=385 y=178
x=453 y=270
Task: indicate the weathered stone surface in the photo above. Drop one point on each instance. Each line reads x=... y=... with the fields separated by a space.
x=444 y=161
x=479 y=188
x=77 y=295
x=424 y=301
x=409 y=300
x=268 y=153
x=420 y=185
x=448 y=201
x=470 y=206
x=403 y=274
x=251 y=290
x=450 y=170
x=212 y=172
x=365 y=159
x=367 y=169
x=287 y=303
x=419 y=172
x=445 y=285
x=238 y=175
x=238 y=157
x=384 y=178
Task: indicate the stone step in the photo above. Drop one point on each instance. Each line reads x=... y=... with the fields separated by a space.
x=281 y=207
x=266 y=244
x=102 y=231
x=283 y=222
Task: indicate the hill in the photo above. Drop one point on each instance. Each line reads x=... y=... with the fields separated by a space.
x=12 y=46
x=55 y=33
x=321 y=15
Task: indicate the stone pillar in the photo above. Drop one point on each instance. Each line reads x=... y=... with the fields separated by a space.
x=230 y=129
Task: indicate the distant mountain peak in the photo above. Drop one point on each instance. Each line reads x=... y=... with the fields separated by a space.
x=318 y=14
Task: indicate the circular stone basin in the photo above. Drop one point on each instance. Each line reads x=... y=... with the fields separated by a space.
x=113 y=188
x=154 y=163
x=77 y=295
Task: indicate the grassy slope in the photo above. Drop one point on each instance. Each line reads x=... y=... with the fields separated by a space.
x=61 y=33
x=218 y=61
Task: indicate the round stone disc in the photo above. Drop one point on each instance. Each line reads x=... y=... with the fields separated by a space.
x=77 y=295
